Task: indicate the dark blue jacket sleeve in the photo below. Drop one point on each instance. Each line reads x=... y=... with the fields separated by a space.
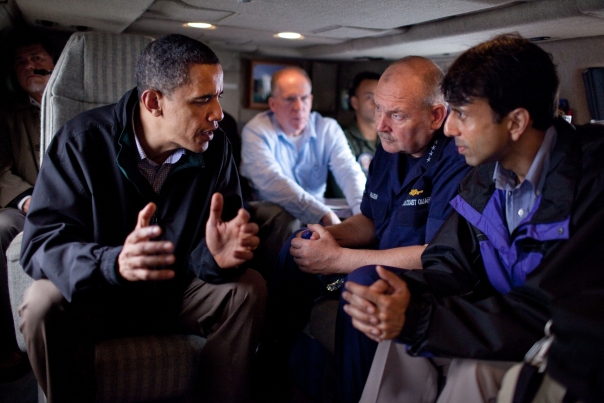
x=57 y=235
x=201 y=262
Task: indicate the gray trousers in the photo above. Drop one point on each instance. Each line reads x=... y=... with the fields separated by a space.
x=396 y=376
x=11 y=223
x=60 y=336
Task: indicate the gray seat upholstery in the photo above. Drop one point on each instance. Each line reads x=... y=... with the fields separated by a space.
x=97 y=69
x=94 y=69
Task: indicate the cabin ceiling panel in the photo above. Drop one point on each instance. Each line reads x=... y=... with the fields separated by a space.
x=180 y=11
x=256 y=23
x=557 y=19
x=334 y=29
x=107 y=15
x=311 y=15
x=224 y=35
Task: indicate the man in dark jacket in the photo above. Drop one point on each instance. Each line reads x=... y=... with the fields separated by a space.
x=537 y=181
x=125 y=233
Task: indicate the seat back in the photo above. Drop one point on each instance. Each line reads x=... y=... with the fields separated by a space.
x=94 y=69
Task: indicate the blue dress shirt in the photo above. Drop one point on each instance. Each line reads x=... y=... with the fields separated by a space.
x=296 y=179
x=521 y=198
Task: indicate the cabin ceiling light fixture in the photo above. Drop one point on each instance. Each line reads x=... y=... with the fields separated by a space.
x=202 y=25
x=289 y=35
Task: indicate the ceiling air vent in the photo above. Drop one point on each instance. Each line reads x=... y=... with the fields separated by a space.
x=46 y=23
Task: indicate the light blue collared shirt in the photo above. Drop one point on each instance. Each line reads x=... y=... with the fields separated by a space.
x=296 y=178
x=520 y=199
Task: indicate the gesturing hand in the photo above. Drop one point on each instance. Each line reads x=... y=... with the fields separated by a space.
x=231 y=243
x=378 y=310
x=140 y=254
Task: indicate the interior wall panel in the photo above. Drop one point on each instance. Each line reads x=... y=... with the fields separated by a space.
x=572 y=57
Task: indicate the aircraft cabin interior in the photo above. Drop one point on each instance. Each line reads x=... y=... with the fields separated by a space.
x=96 y=44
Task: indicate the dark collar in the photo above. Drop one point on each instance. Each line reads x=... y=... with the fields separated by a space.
x=562 y=175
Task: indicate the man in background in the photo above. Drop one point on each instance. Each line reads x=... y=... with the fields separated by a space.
x=287 y=151
x=286 y=154
x=32 y=56
x=361 y=134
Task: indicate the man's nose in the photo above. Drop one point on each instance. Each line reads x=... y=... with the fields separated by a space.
x=215 y=114
x=450 y=128
x=297 y=104
x=29 y=64
x=380 y=124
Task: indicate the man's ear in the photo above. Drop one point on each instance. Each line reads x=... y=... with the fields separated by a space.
x=438 y=113
x=271 y=103
x=518 y=121
x=354 y=102
x=151 y=100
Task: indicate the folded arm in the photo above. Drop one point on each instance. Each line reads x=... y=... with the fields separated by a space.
x=336 y=249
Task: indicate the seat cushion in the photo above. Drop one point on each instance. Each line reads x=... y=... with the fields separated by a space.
x=147 y=368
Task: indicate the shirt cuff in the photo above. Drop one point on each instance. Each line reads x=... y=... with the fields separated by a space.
x=22 y=202
x=314 y=217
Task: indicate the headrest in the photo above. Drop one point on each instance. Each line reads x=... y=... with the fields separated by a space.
x=94 y=69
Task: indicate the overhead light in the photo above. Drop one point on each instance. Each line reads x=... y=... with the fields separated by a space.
x=289 y=35
x=202 y=25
